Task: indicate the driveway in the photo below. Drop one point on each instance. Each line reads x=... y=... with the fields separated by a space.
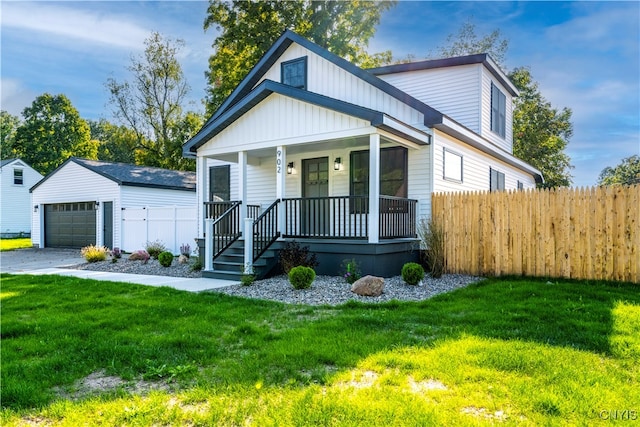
x=29 y=259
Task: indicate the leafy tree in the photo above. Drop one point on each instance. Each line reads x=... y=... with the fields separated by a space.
x=248 y=29
x=540 y=132
x=151 y=104
x=8 y=126
x=627 y=172
x=117 y=143
x=467 y=42
x=51 y=132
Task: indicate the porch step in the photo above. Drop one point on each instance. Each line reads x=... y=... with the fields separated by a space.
x=229 y=265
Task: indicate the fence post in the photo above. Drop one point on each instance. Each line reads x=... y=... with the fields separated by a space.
x=248 y=245
x=208 y=244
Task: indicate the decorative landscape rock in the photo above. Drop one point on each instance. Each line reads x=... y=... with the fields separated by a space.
x=368 y=286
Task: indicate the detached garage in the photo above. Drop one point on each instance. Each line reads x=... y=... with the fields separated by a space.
x=85 y=202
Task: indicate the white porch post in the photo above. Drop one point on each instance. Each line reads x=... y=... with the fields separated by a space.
x=242 y=183
x=248 y=245
x=281 y=174
x=374 y=188
x=208 y=245
x=202 y=185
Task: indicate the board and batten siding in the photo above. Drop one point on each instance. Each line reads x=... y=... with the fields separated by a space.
x=326 y=78
x=74 y=183
x=476 y=167
x=15 y=200
x=279 y=120
x=454 y=91
x=505 y=143
x=132 y=196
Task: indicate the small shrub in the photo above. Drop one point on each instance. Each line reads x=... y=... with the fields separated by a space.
x=197 y=265
x=165 y=258
x=301 y=277
x=294 y=255
x=431 y=235
x=247 y=277
x=94 y=253
x=155 y=248
x=140 y=255
x=412 y=273
x=185 y=250
x=116 y=253
x=350 y=271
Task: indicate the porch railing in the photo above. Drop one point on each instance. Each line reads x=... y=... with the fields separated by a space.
x=327 y=217
x=226 y=227
x=265 y=230
x=397 y=217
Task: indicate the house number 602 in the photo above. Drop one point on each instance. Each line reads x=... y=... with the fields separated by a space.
x=279 y=162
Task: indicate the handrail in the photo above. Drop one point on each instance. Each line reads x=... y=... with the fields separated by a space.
x=226 y=229
x=265 y=230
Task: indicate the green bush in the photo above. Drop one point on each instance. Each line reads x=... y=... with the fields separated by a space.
x=196 y=265
x=350 y=271
x=165 y=258
x=155 y=248
x=412 y=273
x=94 y=253
x=301 y=277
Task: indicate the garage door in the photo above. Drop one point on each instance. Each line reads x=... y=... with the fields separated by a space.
x=70 y=225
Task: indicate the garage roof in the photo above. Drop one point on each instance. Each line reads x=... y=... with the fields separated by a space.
x=134 y=175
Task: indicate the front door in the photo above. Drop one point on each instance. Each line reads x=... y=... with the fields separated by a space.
x=315 y=190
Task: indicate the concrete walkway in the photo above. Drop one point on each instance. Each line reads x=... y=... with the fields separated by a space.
x=52 y=261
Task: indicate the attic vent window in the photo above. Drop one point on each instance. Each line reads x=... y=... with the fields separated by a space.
x=294 y=73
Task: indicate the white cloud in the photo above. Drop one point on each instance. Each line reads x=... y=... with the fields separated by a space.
x=73 y=23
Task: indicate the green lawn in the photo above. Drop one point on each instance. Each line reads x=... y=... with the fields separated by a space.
x=510 y=351
x=11 y=244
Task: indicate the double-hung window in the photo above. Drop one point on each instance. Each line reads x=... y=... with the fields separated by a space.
x=294 y=73
x=452 y=166
x=496 y=180
x=498 y=111
x=18 y=177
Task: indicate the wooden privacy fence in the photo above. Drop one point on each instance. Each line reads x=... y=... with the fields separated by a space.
x=591 y=233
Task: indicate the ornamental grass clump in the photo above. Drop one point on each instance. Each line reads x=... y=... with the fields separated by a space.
x=431 y=234
x=301 y=277
x=165 y=258
x=155 y=248
x=93 y=253
x=412 y=273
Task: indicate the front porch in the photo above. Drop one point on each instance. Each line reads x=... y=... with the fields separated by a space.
x=334 y=228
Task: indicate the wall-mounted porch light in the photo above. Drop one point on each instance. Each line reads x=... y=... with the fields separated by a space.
x=336 y=164
x=36 y=207
x=290 y=168
x=96 y=206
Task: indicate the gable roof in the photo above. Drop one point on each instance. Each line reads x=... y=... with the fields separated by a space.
x=134 y=175
x=480 y=58
x=431 y=115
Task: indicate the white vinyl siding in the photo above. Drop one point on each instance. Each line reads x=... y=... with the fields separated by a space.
x=15 y=200
x=451 y=90
x=326 y=78
x=476 y=168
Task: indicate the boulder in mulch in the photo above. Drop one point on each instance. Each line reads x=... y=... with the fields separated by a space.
x=368 y=286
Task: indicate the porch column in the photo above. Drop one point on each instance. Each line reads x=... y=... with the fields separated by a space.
x=281 y=175
x=242 y=184
x=374 y=188
x=202 y=188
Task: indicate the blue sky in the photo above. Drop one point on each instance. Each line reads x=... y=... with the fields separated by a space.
x=584 y=55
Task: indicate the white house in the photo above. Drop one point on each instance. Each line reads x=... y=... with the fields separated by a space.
x=16 y=177
x=344 y=160
x=86 y=202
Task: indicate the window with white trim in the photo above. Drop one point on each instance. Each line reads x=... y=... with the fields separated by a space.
x=498 y=111
x=18 y=177
x=452 y=166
